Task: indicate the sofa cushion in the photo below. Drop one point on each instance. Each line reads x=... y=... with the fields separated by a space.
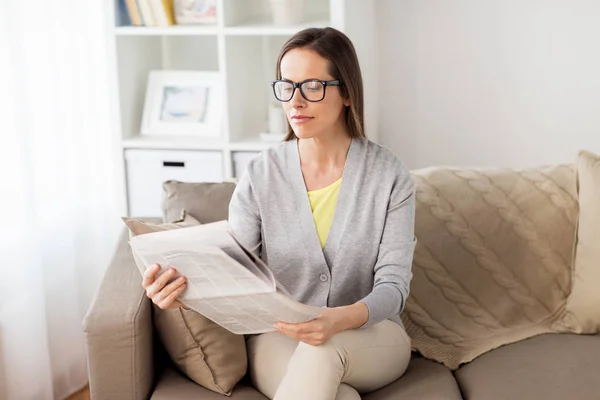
x=423 y=379
x=550 y=366
x=173 y=385
x=583 y=304
x=207 y=353
x=207 y=202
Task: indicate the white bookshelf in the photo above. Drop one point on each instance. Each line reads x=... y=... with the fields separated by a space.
x=242 y=46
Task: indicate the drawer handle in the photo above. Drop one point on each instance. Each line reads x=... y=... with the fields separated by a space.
x=173 y=164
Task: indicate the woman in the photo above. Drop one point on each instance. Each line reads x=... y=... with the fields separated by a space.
x=333 y=215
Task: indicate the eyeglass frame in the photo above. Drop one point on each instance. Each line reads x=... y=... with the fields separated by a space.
x=295 y=85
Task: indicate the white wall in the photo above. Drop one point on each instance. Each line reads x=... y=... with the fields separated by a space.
x=489 y=83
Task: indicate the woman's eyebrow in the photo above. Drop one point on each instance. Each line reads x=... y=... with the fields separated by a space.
x=305 y=79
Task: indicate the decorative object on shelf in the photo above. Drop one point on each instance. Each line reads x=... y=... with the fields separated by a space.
x=287 y=12
x=195 y=12
x=183 y=103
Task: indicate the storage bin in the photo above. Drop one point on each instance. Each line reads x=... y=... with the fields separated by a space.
x=240 y=159
x=148 y=169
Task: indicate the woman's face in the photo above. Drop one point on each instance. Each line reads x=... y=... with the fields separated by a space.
x=312 y=119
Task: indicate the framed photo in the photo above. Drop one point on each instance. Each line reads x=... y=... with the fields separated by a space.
x=195 y=11
x=183 y=103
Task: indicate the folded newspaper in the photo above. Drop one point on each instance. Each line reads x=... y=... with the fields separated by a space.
x=226 y=282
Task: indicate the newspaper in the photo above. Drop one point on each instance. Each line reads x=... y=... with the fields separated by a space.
x=226 y=282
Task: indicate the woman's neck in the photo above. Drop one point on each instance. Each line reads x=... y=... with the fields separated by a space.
x=324 y=153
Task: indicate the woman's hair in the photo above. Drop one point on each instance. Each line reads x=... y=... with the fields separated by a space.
x=337 y=48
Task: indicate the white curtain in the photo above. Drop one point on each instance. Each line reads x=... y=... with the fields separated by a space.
x=60 y=196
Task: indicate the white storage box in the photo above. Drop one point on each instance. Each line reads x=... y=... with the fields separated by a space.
x=240 y=159
x=148 y=169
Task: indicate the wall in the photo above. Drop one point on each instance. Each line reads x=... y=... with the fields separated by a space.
x=489 y=83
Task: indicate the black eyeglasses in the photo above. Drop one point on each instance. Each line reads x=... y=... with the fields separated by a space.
x=311 y=89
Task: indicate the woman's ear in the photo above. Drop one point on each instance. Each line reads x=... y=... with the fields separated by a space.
x=347 y=102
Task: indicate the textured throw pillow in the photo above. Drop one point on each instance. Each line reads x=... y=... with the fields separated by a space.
x=207 y=202
x=492 y=262
x=583 y=304
x=207 y=353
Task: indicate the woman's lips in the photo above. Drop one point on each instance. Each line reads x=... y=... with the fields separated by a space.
x=298 y=119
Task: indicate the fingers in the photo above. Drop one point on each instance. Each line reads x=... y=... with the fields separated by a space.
x=311 y=332
x=149 y=275
x=167 y=298
x=312 y=338
x=160 y=282
x=296 y=329
x=162 y=293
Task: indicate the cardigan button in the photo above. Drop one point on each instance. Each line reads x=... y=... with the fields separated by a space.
x=323 y=278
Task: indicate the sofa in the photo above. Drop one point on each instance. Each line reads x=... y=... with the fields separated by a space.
x=126 y=359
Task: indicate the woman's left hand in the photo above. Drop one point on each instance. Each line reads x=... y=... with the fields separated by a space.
x=314 y=332
x=327 y=324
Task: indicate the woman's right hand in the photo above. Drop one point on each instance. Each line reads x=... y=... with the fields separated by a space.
x=162 y=294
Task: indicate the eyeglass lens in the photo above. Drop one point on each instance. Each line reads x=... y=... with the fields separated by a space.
x=311 y=90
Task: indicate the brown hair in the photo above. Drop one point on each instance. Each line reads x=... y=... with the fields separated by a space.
x=337 y=48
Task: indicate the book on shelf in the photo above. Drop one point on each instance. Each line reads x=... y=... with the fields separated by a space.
x=148 y=12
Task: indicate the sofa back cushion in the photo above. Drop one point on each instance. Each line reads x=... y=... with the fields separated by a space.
x=207 y=202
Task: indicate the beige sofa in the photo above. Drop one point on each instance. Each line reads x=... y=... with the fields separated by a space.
x=127 y=361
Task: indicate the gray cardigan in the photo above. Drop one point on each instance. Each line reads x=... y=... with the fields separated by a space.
x=368 y=253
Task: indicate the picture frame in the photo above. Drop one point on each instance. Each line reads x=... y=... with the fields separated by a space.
x=183 y=103
x=195 y=12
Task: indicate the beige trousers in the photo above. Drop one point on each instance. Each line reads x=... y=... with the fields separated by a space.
x=351 y=362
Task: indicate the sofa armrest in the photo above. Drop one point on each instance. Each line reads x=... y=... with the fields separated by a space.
x=119 y=332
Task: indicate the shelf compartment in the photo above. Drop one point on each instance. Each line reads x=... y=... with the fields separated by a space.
x=250 y=64
x=138 y=55
x=254 y=17
x=261 y=26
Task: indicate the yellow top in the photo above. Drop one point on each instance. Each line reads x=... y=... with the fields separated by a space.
x=322 y=203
